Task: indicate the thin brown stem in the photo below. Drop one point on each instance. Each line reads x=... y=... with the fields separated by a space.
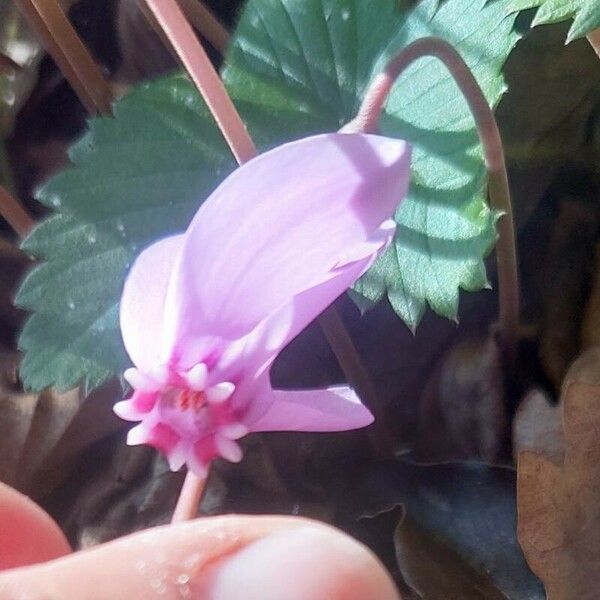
x=498 y=190
x=7 y=64
x=16 y=216
x=195 y=60
x=206 y=23
x=189 y=498
x=355 y=372
x=61 y=41
x=594 y=40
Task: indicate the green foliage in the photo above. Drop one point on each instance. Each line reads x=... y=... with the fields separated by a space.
x=585 y=14
x=134 y=179
x=303 y=67
x=294 y=68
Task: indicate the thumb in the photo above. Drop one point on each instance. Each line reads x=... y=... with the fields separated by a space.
x=218 y=558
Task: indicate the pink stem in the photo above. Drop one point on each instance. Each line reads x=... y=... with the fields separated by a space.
x=48 y=20
x=189 y=498
x=171 y=19
x=206 y=23
x=16 y=216
x=191 y=53
x=498 y=190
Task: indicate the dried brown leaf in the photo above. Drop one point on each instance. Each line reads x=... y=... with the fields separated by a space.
x=462 y=410
x=537 y=425
x=559 y=501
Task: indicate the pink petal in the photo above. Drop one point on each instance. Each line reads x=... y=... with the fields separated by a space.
x=279 y=225
x=143 y=302
x=137 y=407
x=333 y=409
x=288 y=322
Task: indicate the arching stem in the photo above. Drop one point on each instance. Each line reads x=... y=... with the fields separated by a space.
x=498 y=190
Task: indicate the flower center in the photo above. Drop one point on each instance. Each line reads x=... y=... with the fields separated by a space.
x=190 y=399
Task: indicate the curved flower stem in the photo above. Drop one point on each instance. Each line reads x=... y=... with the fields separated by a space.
x=189 y=498
x=356 y=373
x=498 y=190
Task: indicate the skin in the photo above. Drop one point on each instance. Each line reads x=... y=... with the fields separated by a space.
x=218 y=558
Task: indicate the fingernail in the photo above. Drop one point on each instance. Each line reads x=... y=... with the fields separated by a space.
x=302 y=564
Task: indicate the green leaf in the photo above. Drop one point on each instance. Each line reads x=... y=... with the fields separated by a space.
x=585 y=14
x=300 y=67
x=586 y=20
x=135 y=178
x=294 y=68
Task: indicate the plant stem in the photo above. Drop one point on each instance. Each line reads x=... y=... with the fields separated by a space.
x=47 y=19
x=498 y=190
x=355 y=372
x=16 y=216
x=206 y=23
x=195 y=60
x=10 y=208
x=189 y=498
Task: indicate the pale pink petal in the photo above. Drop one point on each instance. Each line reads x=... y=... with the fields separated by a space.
x=143 y=303
x=158 y=435
x=332 y=409
x=279 y=225
x=288 y=322
x=137 y=407
x=140 y=381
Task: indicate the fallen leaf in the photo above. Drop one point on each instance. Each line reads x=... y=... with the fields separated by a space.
x=462 y=409
x=537 y=425
x=559 y=501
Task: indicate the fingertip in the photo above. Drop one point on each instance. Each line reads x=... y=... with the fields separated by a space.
x=314 y=562
x=28 y=535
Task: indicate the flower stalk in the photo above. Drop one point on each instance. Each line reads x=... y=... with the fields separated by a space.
x=195 y=60
x=189 y=498
x=498 y=189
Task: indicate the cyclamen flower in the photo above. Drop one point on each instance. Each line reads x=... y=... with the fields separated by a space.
x=205 y=313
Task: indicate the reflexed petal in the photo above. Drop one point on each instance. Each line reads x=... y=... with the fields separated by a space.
x=332 y=409
x=136 y=407
x=141 y=382
x=287 y=323
x=278 y=226
x=159 y=436
x=143 y=302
